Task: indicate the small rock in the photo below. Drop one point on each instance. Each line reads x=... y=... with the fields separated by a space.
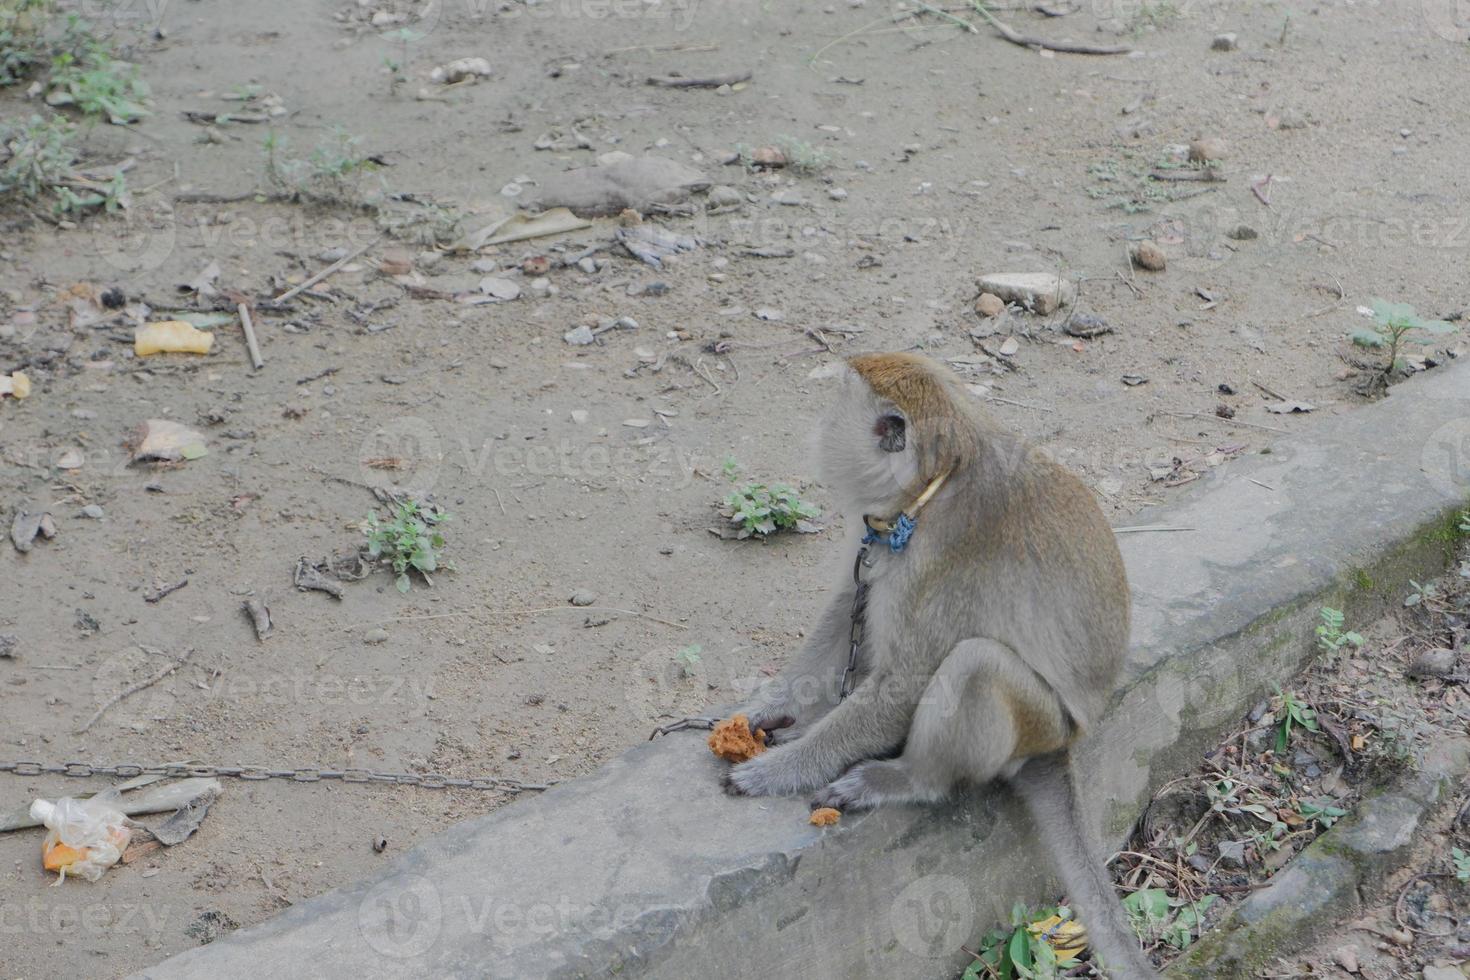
x=70 y=459
x=541 y=288
x=536 y=265
x=1042 y=292
x=1225 y=42
x=1433 y=663
x=587 y=264
x=1224 y=411
x=396 y=262
x=580 y=336
x=723 y=196
x=579 y=416
x=1087 y=326
x=768 y=156
x=990 y=304
x=1149 y=256
x=769 y=315
x=583 y=598
x=375 y=636
x=1242 y=233
x=459 y=70
x=503 y=289
x=92 y=511
x=1208 y=149
x=380 y=844
x=429 y=261
x=8 y=643
x=483 y=266
x=837 y=193
x=1436 y=972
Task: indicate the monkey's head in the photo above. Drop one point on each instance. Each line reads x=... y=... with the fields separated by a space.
x=897 y=423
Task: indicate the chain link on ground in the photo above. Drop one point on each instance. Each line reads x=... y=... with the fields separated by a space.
x=127 y=770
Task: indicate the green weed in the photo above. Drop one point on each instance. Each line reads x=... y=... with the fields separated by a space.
x=410 y=540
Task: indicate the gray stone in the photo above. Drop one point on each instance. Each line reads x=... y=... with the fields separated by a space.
x=1040 y=292
x=580 y=336
x=583 y=598
x=1225 y=42
x=92 y=511
x=724 y=196
x=645 y=869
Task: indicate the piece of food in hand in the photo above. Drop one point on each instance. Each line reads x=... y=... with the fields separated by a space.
x=825 y=816
x=733 y=741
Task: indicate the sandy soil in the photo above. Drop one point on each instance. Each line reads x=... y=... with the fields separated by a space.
x=959 y=154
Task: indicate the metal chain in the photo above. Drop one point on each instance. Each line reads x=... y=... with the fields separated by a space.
x=859 y=619
x=427 y=780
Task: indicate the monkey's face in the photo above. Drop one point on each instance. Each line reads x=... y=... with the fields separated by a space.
x=866 y=449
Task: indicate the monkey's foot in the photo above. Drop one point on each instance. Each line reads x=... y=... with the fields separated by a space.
x=870 y=784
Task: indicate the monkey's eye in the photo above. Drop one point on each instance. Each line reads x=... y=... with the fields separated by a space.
x=890 y=430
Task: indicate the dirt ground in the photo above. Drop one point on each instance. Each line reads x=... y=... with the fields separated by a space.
x=959 y=154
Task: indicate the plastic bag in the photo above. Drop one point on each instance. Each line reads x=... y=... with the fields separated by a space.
x=83 y=837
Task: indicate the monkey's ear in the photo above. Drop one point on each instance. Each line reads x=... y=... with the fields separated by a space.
x=892 y=432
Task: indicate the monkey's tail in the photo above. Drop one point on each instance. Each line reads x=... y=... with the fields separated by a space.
x=1045 y=783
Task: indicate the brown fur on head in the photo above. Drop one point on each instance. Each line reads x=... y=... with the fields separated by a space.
x=899 y=422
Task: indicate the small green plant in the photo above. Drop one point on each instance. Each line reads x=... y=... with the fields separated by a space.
x=731 y=468
x=98 y=84
x=1037 y=945
x=410 y=540
x=1395 y=324
x=688 y=657
x=38 y=168
x=759 y=509
x=1462 y=863
x=23 y=47
x=1330 y=635
x=1324 y=813
x=332 y=173
x=1294 y=714
x=1420 y=593
x=1154 y=915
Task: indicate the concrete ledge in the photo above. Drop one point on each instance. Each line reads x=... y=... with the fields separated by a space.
x=645 y=869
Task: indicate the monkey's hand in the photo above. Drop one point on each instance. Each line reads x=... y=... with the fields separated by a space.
x=780 y=727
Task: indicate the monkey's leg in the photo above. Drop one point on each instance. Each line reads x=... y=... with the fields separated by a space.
x=811 y=684
x=982 y=710
x=869 y=724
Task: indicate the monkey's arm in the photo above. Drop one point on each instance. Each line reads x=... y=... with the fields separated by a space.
x=872 y=722
x=810 y=685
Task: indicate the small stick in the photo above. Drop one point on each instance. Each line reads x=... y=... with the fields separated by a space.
x=1026 y=41
x=143 y=685
x=1209 y=174
x=1260 y=484
x=1268 y=391
x=291 y=294
x=250 y=340
x=1152 y=527
x=163 y=590
x=1258 y=188
x=946 y=15
x=499 y=501
x=612 y=609
x=708 y=81
x=1216 y=418
x=1009 y=401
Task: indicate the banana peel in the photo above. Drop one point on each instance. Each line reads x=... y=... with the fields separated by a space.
x=1067 y=936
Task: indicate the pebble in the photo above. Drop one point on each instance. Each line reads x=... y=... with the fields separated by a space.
x=583 y=598
x=1208 y=148
x=990 y=304
x=92 y=511
x=1433 y=663
x=587 y=264
x=1225 y=42
x=579 y=416
x=580 y=336
x=541 y=287
x=1149 y=256
x=429 y=261
x=483 y=266
x=723 y=196
x=1088 y=325
x=500 y=288
x=1242 y=233
x=769 y=315
x=375 y=636
x=837 y=193
x=1043 y=292
x=1436 y=972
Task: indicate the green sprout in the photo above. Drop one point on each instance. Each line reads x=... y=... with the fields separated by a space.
x=410 y=540
x=1395 y=324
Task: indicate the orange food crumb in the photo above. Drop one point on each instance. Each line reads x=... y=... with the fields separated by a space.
x=732 y=740
x=825 y=816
